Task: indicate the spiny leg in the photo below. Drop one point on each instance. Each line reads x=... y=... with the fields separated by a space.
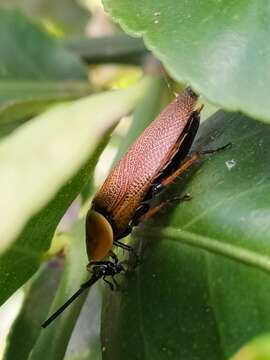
x=154 y=210
x=182 y=168
x=187 y=164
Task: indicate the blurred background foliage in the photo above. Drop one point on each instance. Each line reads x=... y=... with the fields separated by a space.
x=68 y=74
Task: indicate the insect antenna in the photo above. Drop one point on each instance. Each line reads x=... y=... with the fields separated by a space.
x=94 y=278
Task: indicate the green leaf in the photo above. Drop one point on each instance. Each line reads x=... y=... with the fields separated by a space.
x=23 y=99
x=257 y=349
x=192 y=303
x=53 y=340
x=29 y=53
x=66 y=14
x=220 y=47
x=26 y=327
x=107 y=49
x=85 y=341
x=35 y=70
x=43 y=166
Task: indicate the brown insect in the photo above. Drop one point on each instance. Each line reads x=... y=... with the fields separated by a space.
x=153 y=162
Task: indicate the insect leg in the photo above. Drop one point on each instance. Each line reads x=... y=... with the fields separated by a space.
x=182 y=168
x=140 y=211
x=154 y=210
x=108 y=282
x=186 y=164
x=125 y=247
x=170 y=179
x=113 y=256
x=212 y=151
x=146 y=212
x=116 y=285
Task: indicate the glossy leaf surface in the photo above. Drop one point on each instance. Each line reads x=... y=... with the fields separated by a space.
x=221 y=47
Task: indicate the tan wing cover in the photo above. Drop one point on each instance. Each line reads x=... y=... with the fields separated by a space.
x=128 y=182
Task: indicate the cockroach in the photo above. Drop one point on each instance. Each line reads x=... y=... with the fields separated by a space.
x=153 y=162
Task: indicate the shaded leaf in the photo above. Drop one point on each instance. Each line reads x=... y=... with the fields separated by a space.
x=35 y=70
x=66 y=14
x=26 y=327
x=53 y=340
x=220 y=47
x=85 y=341
x=21 y=100
x=29 y=53
x=119 y=48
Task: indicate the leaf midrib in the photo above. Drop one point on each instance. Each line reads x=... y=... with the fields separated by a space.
x=234 y=252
